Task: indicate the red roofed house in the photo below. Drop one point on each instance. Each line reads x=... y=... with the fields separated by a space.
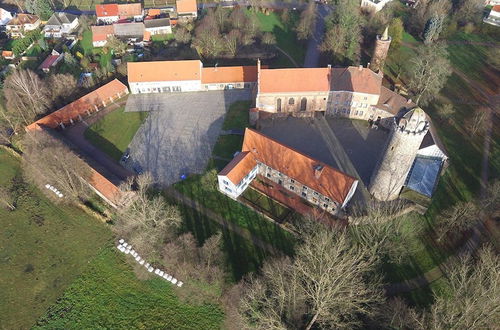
x=107 y=13
x=131 y=10
x=51 y=61
x=100 y=34
x=186 y=9
x=494 y=16
x=187 y=76
x=288 y=170
x=354 y=92
x=8 y=54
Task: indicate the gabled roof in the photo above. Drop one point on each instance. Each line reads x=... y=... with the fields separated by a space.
x=5 y=16
x=110 y=9
x=80 y=106
x=50 y=60
x=294 y=80
x=356 y=79
x=392 y=102
x=154 y=23
x=164 y=71
x=102 y=32
x=229 y=74
x=239 y=167
x=496 y=8
x=432 y=138
x=61 y=18
x=21 y=19
x=294 y=164
x=129 y=29
x=129 y=9
x=186 y=6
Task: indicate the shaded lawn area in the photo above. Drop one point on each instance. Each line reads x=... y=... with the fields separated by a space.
x=44 y=247
x=242 y=256
x=424 y=297
x=267 y=204
x=35 y=50
x=108 y=295
x=286 y=38
x=114 y=132
x=227 y=145
x=162 y=37
x=196 y=188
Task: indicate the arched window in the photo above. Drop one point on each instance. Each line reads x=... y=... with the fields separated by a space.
x=291 y=101
x=278 y=105
x=303 y=104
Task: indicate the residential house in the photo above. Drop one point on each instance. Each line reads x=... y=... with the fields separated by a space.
x=8 y=54
x=187 y=76
x=157 y=26
x=111 y=12
x=100 y=34
x=186 y=9
x=494 y=16
x=22 y=23
x=131 y=11
x=129 y=32
x=287 y=172
x=60 y=24
x=107 y=13
x=375 y=5
x=51 y=61
x=5 y=17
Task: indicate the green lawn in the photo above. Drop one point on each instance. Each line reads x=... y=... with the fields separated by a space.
x=108 y=295
x=43 y=248
x=266 y=204
x=86 y=42
x=114 y=132
x=35 y=50
x=162 y=37
x=286 y=38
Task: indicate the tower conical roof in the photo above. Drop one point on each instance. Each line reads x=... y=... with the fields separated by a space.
x=385 y=35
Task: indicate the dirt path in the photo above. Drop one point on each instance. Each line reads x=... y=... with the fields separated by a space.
x=245 y=233
x=288 y=56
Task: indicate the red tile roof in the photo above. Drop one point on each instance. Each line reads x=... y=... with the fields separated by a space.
x=164 y=71
x=356 y=79
x=80 y=106
x=327 y=181
x=239 y=167
x=105 y=187
x=229 y=74
x=129 y=9
x=102 y=32
x=110 y=9
x=294 y=80
x=186 y=6
x=21 y=19
x=496 y=8
x=49 y=61
x=7 y=53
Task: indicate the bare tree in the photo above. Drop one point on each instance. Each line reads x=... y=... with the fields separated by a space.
x=47 y=160
x=62 y=87
x=149 y=220
x=268 y=39
x=7 y=199
x=459 y=218
x=305 y=27
x=470 y=11
x=325 y=285
x=26 y=94
x=118 y=46
x=491 y=200
x=382 y=231
x=446 y=111
x=182 y=35
x=429 y=71
x=232 y=40
x=477 y=123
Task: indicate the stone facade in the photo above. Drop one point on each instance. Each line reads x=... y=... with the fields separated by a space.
x=382 y=44
x=395 y=162
x=292 y=102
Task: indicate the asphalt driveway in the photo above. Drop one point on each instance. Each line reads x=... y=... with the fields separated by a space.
x=180 y=132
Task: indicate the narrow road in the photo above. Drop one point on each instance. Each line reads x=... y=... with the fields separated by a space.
x=312 y=54
x=245 y=233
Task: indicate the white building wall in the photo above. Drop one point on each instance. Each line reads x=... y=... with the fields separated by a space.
x=377 y=6
x=227 y=187
x=108 y=19
x=160 y=30
x=165 y=86
x=432 y=151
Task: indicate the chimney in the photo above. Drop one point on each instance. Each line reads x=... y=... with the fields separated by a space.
x=318 y=169
x=360 y=68
x=408 y=101
x=368 y=65
x=329 y=66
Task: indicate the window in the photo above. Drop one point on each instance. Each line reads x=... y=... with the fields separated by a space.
x=361 y=113
x=278 y=105
x=356 y=113
x=315 y=193
x=304 y=187
x=280 y=182
x=325 y=205
x=366 y=98
x=292 y=188
x=292 y=180
x=268 y=175
x=327 y=199
x=338 y=95
x=229 y=190
x=291 y=101
x=344 y=110
x=225 y=182
x=303 y=104
x=304 y=194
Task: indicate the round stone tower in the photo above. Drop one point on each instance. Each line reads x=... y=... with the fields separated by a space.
x=407 y=133
x=381 y=49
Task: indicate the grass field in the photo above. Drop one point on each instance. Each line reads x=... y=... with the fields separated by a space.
x=44 y=247
x=114 y=132
x=108 y=295
x=86 y=42
x=286 y=38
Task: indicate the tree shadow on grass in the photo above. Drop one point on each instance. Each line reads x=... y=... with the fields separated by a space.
x=92 y=135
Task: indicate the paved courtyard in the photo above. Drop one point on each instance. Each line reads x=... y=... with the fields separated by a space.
x=180 y=132
x=362 y=144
